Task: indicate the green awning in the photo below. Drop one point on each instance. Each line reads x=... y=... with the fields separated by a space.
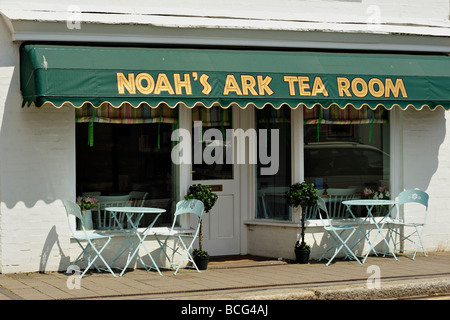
x=80 y=75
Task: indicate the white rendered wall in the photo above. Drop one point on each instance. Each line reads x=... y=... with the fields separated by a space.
x=36 y=171
x=426 y=154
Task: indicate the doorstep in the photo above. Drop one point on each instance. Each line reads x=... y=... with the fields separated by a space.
x=241 y=261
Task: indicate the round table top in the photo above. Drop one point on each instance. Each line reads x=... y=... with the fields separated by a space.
x=368 y=202
x=136 y=209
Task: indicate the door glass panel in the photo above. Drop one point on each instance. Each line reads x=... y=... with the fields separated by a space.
x=210 y=145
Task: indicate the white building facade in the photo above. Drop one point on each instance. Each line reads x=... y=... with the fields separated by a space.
x=41 y=157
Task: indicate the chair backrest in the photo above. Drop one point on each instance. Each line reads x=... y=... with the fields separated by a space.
x=192 y=206
x=312 y=211
x=414 y=196
x=323 y=213
x=138 y=198
x=104 y=218
x=72 y=209
x=125 y=197
x=335 y=197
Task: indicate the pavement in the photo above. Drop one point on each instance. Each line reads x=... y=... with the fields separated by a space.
x=380 y=278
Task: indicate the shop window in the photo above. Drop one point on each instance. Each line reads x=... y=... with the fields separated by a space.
x=270 y=188
x=123 y=150
x=347 y=148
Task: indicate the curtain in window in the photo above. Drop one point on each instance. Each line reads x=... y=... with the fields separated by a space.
x=212 y=117
x=349 y=115
x=126 y=114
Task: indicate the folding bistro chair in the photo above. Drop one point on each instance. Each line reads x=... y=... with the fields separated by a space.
x=73 y=209
x=184 y=207
x=336 y=233
x=412 y=231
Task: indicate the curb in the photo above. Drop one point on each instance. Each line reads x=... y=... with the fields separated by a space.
x=393 y=290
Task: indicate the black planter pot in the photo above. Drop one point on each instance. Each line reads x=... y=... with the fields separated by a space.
x=201 y=262
x=302 y=255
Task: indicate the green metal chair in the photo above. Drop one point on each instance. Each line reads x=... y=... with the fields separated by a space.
x=336 y=233
x=410 y=231
x=186 y=241
x=72 y=209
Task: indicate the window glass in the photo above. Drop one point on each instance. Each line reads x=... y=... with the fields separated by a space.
x=347 y=149
x=125 y=158
x=210 y=145
x=275 y=143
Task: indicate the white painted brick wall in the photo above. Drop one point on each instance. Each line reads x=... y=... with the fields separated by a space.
x=426 y=166
x=36 y=171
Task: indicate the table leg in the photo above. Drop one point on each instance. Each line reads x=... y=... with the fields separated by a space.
x=128 y=236
x=361 y=230
x=379 y=228
x=141 y=243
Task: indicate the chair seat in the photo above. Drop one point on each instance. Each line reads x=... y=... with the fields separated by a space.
x=341 y=227
x=92 y=236
x=407 y=224
x=175 y=232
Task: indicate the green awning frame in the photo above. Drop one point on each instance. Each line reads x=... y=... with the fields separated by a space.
x=85 y=75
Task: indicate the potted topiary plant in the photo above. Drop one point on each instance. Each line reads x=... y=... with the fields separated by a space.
x=302 y=195
x=204 y=194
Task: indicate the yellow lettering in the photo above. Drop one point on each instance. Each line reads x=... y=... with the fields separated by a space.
x=263 y=85
x=206 y=86
x=163 y=84
x=123 y=82
x=150 y=83
x=395 y=89
x=343 y=86
x=376 y=93
x=302 y=86
x=186 y=83
x=248 y=84
x=319 y=87
x=291 y=80
x=359 y=93
x=231 y=85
